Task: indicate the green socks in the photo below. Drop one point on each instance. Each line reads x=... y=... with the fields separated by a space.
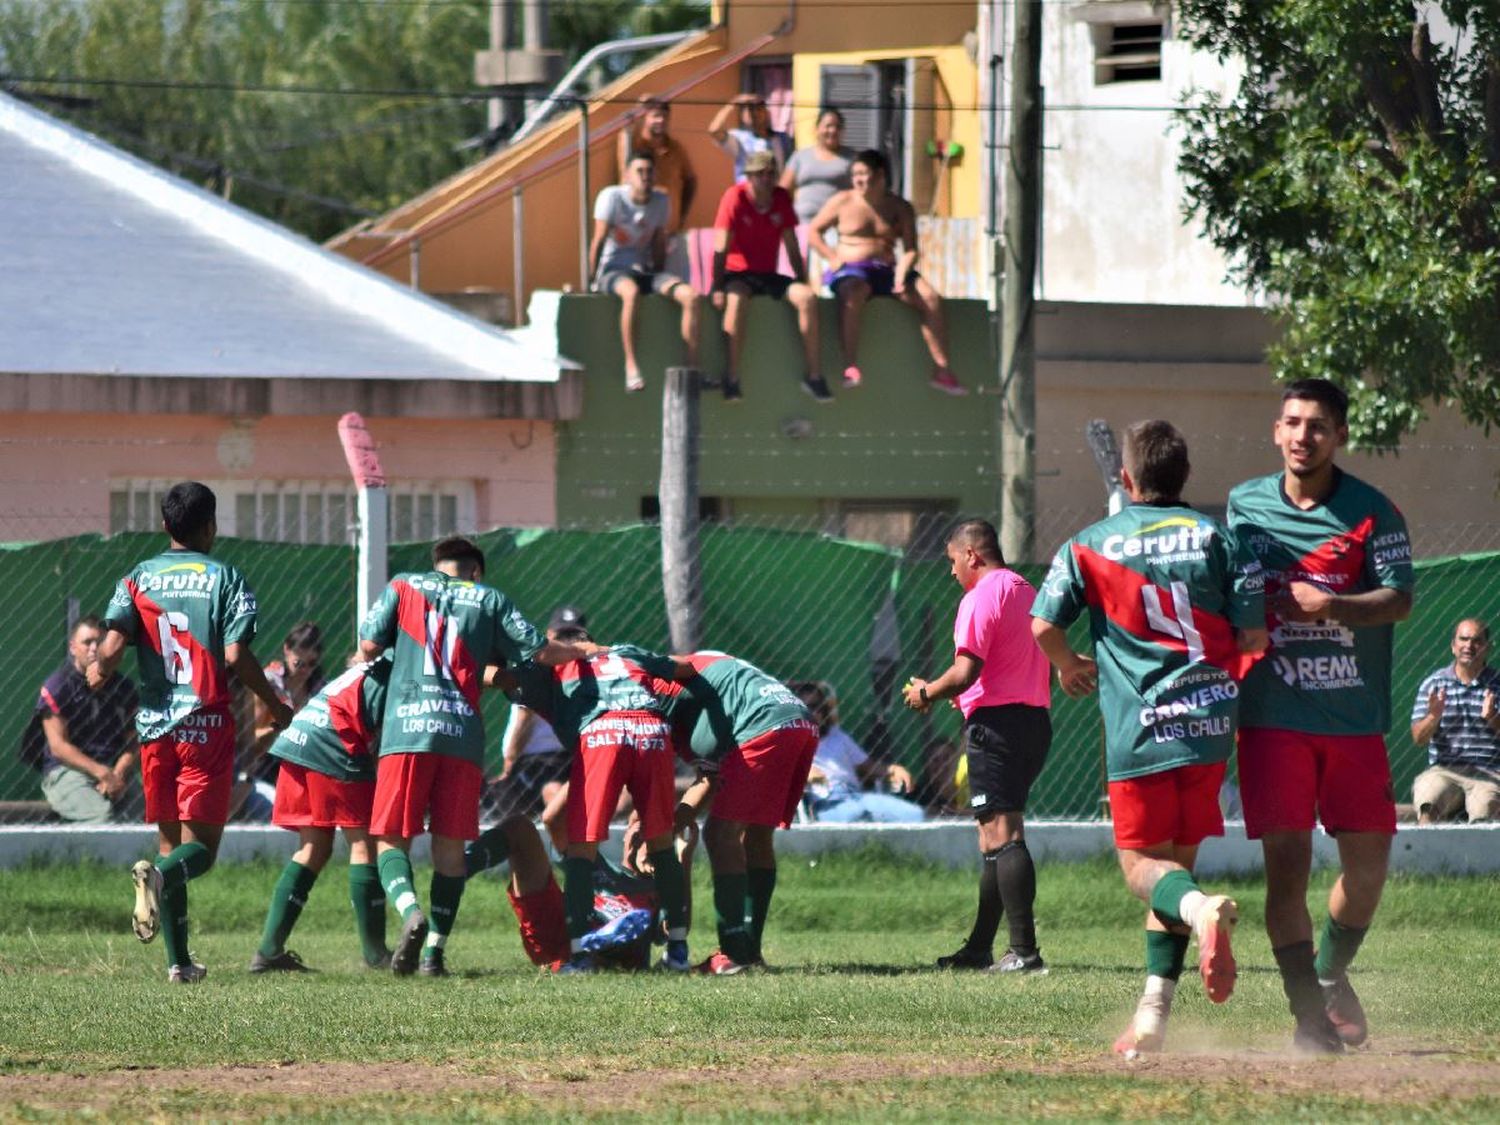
x=1167 y=895
x=578 y=896
x=287 y=900
x=395 y=877
x=672 y=891
x=731 y=904
x=1165 y=954
x=761 y=884
x=368 y=900
x=447 y=892
x=174 y=923
x=186 y=861
x=490 y=850
x=1337 y=948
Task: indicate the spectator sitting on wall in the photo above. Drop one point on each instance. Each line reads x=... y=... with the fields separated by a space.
x=754 y=222
x=90 y=761
x=870 y=220
x=627 y=255
x=753 y=134
x=841 y=769
x=674 y=171
x=1457 y=719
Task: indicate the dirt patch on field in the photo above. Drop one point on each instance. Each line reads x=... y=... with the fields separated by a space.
x=1390 y=1074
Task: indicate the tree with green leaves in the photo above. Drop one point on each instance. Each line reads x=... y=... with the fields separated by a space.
x=1355 y=177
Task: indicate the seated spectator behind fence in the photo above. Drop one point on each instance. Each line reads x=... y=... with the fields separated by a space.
x=755 y=220
x=752 y=135
x=870 y=220
x=1457 y=716
x=815 y=174
x=627 y=254
x=91 y=747
x=674 y=172
x=836 y=786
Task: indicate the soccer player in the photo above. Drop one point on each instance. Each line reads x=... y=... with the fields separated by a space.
x=327 y=782
x=1174 y=612
x=753 y=741
x=445 y=627
x=612 y=707
x=1314 y=713
x=190 y=618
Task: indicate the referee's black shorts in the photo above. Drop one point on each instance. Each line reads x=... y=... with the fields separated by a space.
x=1006 y=748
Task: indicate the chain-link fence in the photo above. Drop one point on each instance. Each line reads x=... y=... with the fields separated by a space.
x=784 y=593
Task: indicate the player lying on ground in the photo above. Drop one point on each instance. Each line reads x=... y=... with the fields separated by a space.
x=1175 y=612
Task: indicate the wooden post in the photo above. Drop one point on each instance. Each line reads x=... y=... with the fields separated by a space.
x=681 y=571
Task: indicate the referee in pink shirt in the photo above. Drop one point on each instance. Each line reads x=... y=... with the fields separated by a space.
x=1002 y=683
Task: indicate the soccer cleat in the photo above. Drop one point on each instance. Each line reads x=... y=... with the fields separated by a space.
x=145 y=920
x=578 y=963
x=1215 y=922
x=965 y=958
x=1316 y=1035
x=432 y=963
x=1147 y=1032
x=284 y=962
x=732 y=392
x=945 y=381
x=381 y=962
x=853 y=376
x=1013 y=962
x=190 y=973
x=1345 y=1011
x=720 y=965
x=675 y=959
x=409 y=947
x=817 y=386
x=627 y=928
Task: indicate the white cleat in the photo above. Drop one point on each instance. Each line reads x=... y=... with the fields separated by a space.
x=1147 y=1033
x=145 y=919
x=190 y=973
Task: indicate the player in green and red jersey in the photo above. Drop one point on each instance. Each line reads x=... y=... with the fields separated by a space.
x=191 y=618
x=327 y=782
x=753 y=741
x=1314 y=714
x=612 y=708
x=445 y=628
x=1175 y=612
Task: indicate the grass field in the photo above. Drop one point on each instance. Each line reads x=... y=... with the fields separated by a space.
x=853 y=1025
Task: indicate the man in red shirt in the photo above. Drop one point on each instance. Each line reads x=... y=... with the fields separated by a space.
x=755 y=220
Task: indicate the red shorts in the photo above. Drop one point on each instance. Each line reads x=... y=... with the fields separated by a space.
x=1179 y=805
x=623 y=750
x=762 y=781
x=189 y=774
x=308 y=799
x=410 y=787
x=1289 y=780
x=543 y=923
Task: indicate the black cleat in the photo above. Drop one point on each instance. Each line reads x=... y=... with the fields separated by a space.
x=432 y=964
x=1316 y=1035
x=966 y=958
x=732 y=392
x=409 y=948
x=1345 y=1012
x=817 y=386
x=284 y=962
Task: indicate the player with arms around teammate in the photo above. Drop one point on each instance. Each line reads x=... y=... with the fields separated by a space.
x=327 y=782
x=445 y=627
x=1314 y=713
x=1175 y=612
x=191 y=618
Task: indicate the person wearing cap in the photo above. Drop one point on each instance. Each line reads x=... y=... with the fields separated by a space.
x=535 y=764
x=752 y=135
x=755 y=222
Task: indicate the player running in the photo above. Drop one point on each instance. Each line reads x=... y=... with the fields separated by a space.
x=612 y=708
x=445 y=628
x=1175 y=612
x=191 y=618
x=327 y=782
x=1338 y=577
x=753 y=741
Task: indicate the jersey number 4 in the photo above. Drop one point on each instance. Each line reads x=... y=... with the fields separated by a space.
x=176 y=660
x=1174 y=620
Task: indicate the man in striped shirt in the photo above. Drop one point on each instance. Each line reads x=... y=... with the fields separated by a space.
x=1457 y=717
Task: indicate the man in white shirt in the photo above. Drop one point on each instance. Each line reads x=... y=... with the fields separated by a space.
x=836 y=785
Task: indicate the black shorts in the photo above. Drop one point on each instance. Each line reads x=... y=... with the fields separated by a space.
x=1006 y=748
x=759 y=284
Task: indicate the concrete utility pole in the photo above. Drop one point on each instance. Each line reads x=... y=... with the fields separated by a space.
x=681 y=569
x=1017 y=333
x=513 y=70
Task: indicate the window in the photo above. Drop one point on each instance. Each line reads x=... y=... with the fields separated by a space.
x=914 y=526
x=1127 y=52
x=303 y=511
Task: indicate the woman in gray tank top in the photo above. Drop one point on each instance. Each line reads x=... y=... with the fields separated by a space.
x=815 y=173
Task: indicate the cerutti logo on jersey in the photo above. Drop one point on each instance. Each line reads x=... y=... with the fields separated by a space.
x=181 y=576
x=1170 y=540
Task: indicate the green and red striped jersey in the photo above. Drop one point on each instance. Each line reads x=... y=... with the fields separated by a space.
x=1324 y=677
x=730 y=702
x=573 y=695
x=1165 y=588
x=180 y=609
x=443 y=631
x=337 y=732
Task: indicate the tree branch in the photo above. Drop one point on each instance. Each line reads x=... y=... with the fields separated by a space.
x=1492 y=112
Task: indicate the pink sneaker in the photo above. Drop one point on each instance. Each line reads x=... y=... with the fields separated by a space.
x=944 y=380
x=853 y=376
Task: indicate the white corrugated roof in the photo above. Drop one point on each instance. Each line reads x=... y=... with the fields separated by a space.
x=109 y=266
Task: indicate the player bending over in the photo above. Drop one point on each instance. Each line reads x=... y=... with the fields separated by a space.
x=1176 y=613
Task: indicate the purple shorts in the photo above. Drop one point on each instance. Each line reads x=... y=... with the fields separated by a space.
x=879 y=276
